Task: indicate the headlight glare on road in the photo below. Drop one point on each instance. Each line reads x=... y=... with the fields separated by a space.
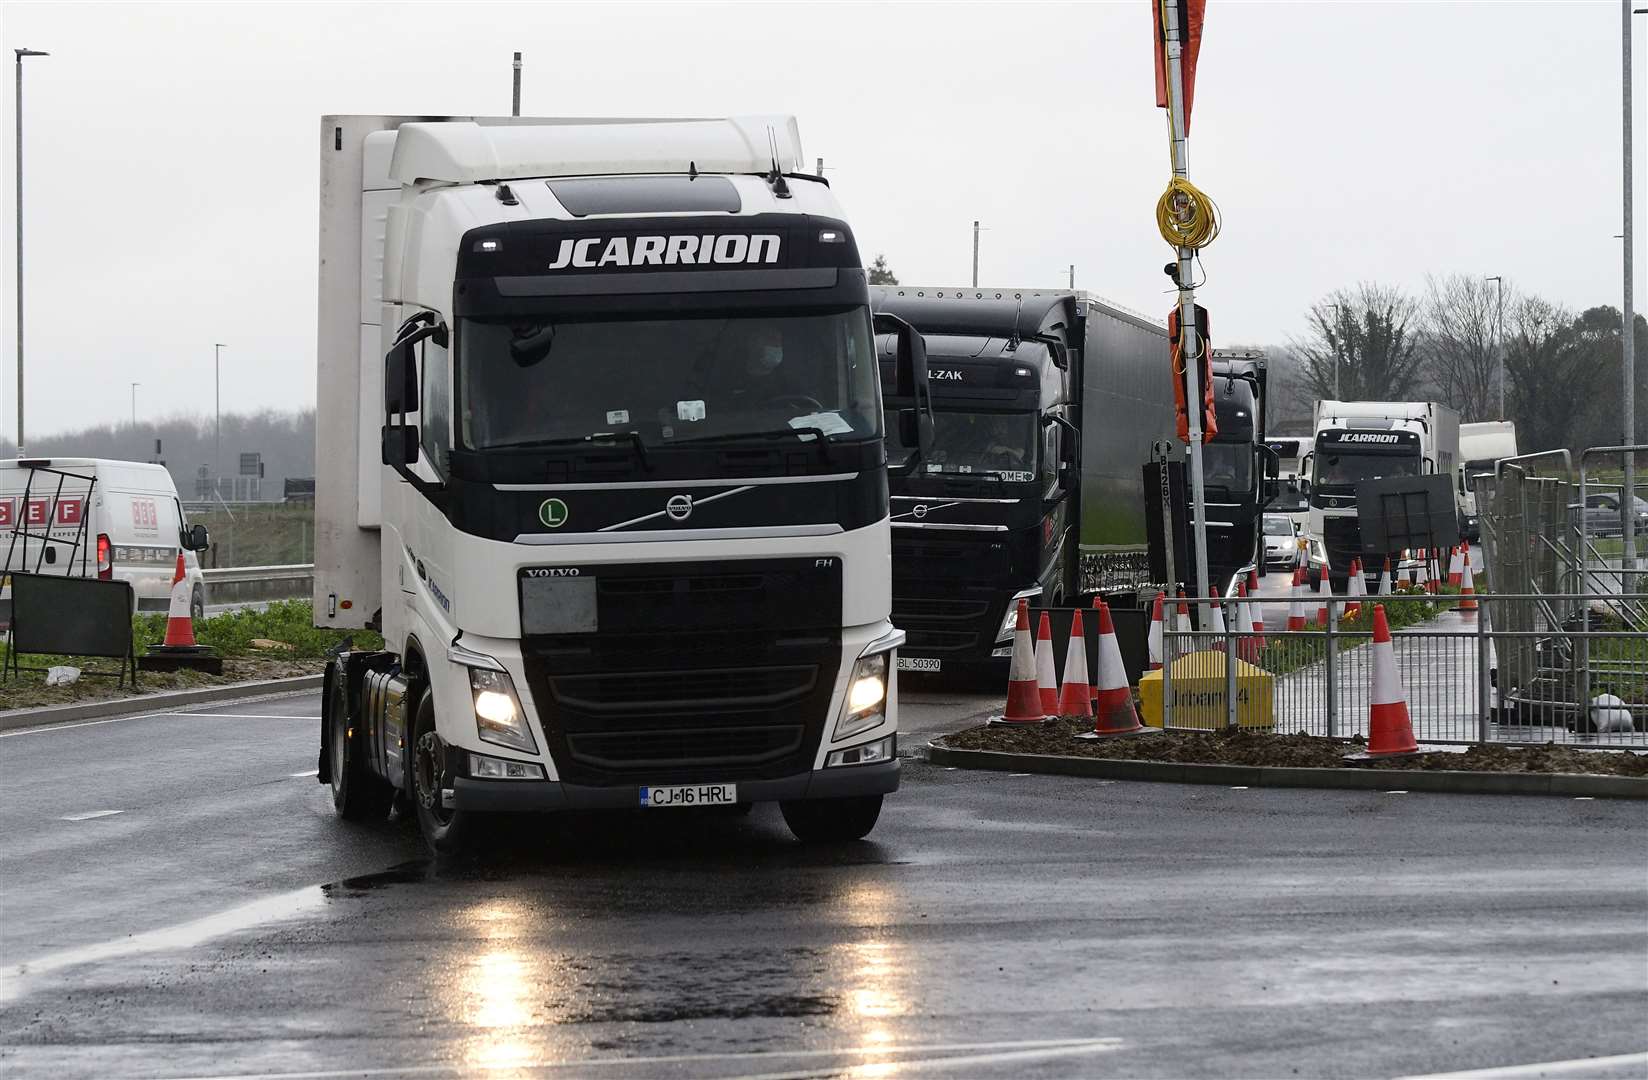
x=499 y=717
x=866 y=696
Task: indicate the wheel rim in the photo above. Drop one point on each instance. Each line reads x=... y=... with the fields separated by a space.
x=429 y=773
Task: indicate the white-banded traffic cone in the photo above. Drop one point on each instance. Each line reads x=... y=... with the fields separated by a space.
x=1181 y=621
x=1215 y=624
x=180 y=623
x=1385 y=579
x=1324 y=589
x=1258 y=611
x=1023 y=698
x=1467 y=589
x=1296 y=600
x=1247 y=644
x=1422 y=577
x=1113 y=709
x=1456 y=567
x=1355 y=589
x=1390 y=731
x=1047 y=680
x=1076 y=695
x=1157 y=640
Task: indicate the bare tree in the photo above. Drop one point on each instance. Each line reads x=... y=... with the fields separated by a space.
x=1459 y=319
x=1554 y=363
x=1369 y=338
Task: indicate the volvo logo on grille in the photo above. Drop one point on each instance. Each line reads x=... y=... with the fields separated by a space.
x=679 y=507
x=919 y=512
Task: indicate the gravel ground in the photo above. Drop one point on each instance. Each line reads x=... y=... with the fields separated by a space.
x=1240 y=747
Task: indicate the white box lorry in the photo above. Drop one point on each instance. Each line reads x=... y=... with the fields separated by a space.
x=1368 y=440
x=1480 y=445
x=600 y=451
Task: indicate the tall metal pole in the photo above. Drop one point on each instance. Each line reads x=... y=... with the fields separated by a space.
x=975 y=253
x=1072 y=276
x=1628 y=514
x=1499 y=336
x=1190 y=352
x=19 y=196
x=134 y=405
x=515 y=108
x=217 y=412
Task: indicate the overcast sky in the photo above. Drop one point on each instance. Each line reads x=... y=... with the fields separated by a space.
x=171 y=154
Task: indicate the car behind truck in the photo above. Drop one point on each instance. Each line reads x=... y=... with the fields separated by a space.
x=600 y=451
x=1046 y=404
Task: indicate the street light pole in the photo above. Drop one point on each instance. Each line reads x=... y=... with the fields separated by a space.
x=515 y=108
x=134 y=404
x=217 y=411
x=1499 y=336
x=21 y=53
x=1072 y=277
x=1628 y=337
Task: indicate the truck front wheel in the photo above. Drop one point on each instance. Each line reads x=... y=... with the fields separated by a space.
x=832 y=821
x=428 y=775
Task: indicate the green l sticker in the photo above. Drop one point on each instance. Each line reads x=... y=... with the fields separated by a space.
x=553 y=513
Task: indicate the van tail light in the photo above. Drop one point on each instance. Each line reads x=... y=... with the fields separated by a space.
x=105 y=557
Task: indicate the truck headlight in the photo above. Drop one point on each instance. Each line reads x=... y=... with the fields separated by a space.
x=499 y=717
x=1010 y=618
x=866 y=697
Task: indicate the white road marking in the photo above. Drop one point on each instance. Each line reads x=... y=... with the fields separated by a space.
x=1399 y=791
x=1584 y=798
x=15 y=978
x=1239 y=787
x=47 y=729
x=89 y=814
x=301 y=775
x=1018 y=774
x=1571 y=1067
x=973 y=1054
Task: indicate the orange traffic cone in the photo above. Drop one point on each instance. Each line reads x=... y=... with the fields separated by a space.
x=1324 y=589
x=1296 y=601
x=1247 y=644
x=180 y=625
x=179 y=649
x=1181 y=622
x=1023 y=699
x=1456 y=567
x=1215 y=624
x=1355 y=589
x=1385 y=579
x=1113 y=699
x=1426 y=582
x=1157 y=641
x=1047 y=680
x=1076 y=696
x=1257 y=612
x=1390 y=732
x=1467 y=589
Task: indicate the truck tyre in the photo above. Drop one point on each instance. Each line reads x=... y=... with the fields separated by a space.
x=832 y=821
x=428 y=772
x=357 y=795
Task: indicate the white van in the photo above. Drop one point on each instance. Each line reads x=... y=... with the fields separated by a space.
x=94 y=517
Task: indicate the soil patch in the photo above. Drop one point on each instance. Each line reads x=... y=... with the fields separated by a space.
x=1241 y=747
x=29 y=690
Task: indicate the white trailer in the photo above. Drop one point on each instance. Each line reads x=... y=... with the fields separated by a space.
x=1366 y=440
x=600 y=452
x=1480 y=445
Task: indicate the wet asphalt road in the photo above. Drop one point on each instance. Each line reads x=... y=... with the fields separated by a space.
x=224 y=923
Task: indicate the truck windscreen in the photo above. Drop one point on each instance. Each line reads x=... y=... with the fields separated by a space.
x=999 y=444
x=533 y=381
x=1227 y=466
x=1340 y=468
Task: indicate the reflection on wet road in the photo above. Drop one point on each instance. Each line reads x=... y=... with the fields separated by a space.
x=226 y=924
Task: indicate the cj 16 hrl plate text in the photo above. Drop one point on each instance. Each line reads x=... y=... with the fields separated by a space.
x=690 y=795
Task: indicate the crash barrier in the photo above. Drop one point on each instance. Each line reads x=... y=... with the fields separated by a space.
x=76 y=616
x=247 y=584
x=1467 y=677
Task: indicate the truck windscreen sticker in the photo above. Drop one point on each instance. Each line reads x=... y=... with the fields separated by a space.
x=598 y=253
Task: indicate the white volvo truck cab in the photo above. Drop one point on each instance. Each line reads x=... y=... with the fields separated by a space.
x=600 y=452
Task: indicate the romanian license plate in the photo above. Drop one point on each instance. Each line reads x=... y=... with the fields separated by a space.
x=919 y=663
x=690 y=795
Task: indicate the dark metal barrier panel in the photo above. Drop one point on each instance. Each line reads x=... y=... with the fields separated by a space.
x=71 y=615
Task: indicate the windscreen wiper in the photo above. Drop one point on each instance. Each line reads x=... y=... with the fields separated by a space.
x=634 y=437
x=815 y=432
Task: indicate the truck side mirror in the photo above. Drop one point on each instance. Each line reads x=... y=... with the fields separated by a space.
x=911 y=386
x=400 y=445
x=1273 y=462
x=400 y=378
x=194 y=538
